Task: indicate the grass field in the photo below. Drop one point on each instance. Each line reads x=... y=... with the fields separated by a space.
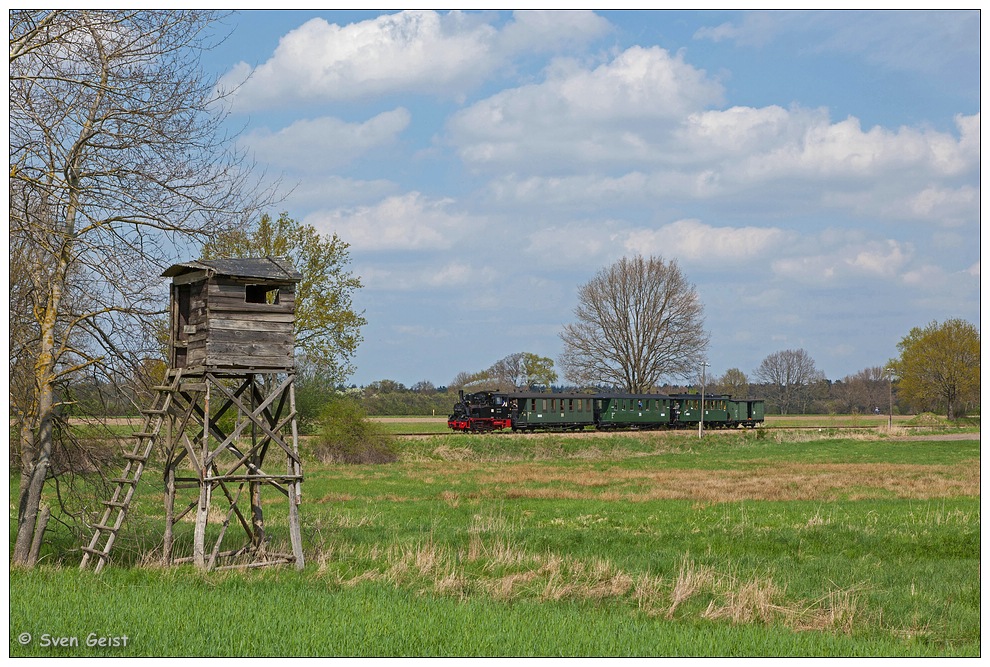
x=751 y=544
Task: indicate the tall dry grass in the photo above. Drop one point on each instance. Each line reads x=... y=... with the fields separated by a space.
x=490 y=566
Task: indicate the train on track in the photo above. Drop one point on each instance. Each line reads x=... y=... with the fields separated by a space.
x=528 y=411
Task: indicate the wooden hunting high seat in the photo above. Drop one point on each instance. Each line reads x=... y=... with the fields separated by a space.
x=228 y=402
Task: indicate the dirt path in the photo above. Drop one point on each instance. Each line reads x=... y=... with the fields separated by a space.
x=938 y=436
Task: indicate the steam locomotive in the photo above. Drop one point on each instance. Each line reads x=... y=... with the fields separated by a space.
x=530 y=411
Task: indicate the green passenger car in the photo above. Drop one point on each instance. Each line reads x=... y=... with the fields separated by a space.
x=686 y=410
x=640 y=411
x=547 y=411
x=747 y=412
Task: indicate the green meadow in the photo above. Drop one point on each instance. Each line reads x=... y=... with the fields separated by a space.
x=766 y=543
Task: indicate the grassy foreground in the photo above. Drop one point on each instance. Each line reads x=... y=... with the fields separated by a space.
x=659 y=544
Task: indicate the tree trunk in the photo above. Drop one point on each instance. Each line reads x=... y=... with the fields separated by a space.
x=38 y=457
x=29 y=502
x=39 y=533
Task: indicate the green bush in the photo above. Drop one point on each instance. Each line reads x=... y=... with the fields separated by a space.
x=312 y=397
x=346 y=436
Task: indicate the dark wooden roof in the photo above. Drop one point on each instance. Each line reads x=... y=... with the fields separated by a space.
x=266 y=268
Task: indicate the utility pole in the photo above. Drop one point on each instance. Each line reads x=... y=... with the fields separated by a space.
x=701 y=419
x=890 y=396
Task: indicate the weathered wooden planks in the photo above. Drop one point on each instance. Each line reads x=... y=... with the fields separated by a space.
x=233 y=321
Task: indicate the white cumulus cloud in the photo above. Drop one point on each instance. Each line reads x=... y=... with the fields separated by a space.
x=696 y=241
x=881 y=258
x=616 y=112
x=840 y=258
x=420 y=52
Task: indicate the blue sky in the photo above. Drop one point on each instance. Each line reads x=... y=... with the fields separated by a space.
x=816 y=175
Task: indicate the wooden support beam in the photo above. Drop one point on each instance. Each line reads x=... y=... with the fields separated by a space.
x=209 y=458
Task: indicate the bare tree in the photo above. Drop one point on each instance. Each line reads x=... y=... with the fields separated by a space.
x=118 y=161
x=866 y=390
x=638 y=321
x=789 y=375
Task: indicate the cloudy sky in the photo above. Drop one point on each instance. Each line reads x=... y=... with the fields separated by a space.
x=814 y=174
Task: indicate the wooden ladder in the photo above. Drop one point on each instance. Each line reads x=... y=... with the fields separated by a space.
x=105 y=530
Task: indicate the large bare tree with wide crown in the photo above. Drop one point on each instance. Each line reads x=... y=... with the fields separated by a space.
x=638 y=321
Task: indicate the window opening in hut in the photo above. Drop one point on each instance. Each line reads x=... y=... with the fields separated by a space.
x=261 y=294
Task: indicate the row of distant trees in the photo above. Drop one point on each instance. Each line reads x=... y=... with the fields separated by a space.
x=788 y=380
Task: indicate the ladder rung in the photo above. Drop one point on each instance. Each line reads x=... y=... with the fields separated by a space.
x=124 y=480
x=114 y=503
x=95 y=552
x=135 y=457
x=144 y=434
x=101 y=527
x=154 y=411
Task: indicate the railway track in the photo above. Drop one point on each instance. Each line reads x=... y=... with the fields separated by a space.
x=867 y=427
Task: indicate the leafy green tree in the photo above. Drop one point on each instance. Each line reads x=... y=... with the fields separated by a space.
x=539 y=370
x=328 y=330
x=734 y=382
x=523 y=369
x=939 y=366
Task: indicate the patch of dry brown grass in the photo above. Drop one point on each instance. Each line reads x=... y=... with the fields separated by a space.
x=452 y=498
x=838 y=611
x=756 y=600
x=690 y=581
x=507 y=587
x=773 y=481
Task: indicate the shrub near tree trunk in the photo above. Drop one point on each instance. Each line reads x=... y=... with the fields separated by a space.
x=347 y=436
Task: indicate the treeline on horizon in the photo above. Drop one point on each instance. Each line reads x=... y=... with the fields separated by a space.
x=390 y=398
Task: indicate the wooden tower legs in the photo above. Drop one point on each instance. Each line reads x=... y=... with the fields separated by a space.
x=228 y=432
